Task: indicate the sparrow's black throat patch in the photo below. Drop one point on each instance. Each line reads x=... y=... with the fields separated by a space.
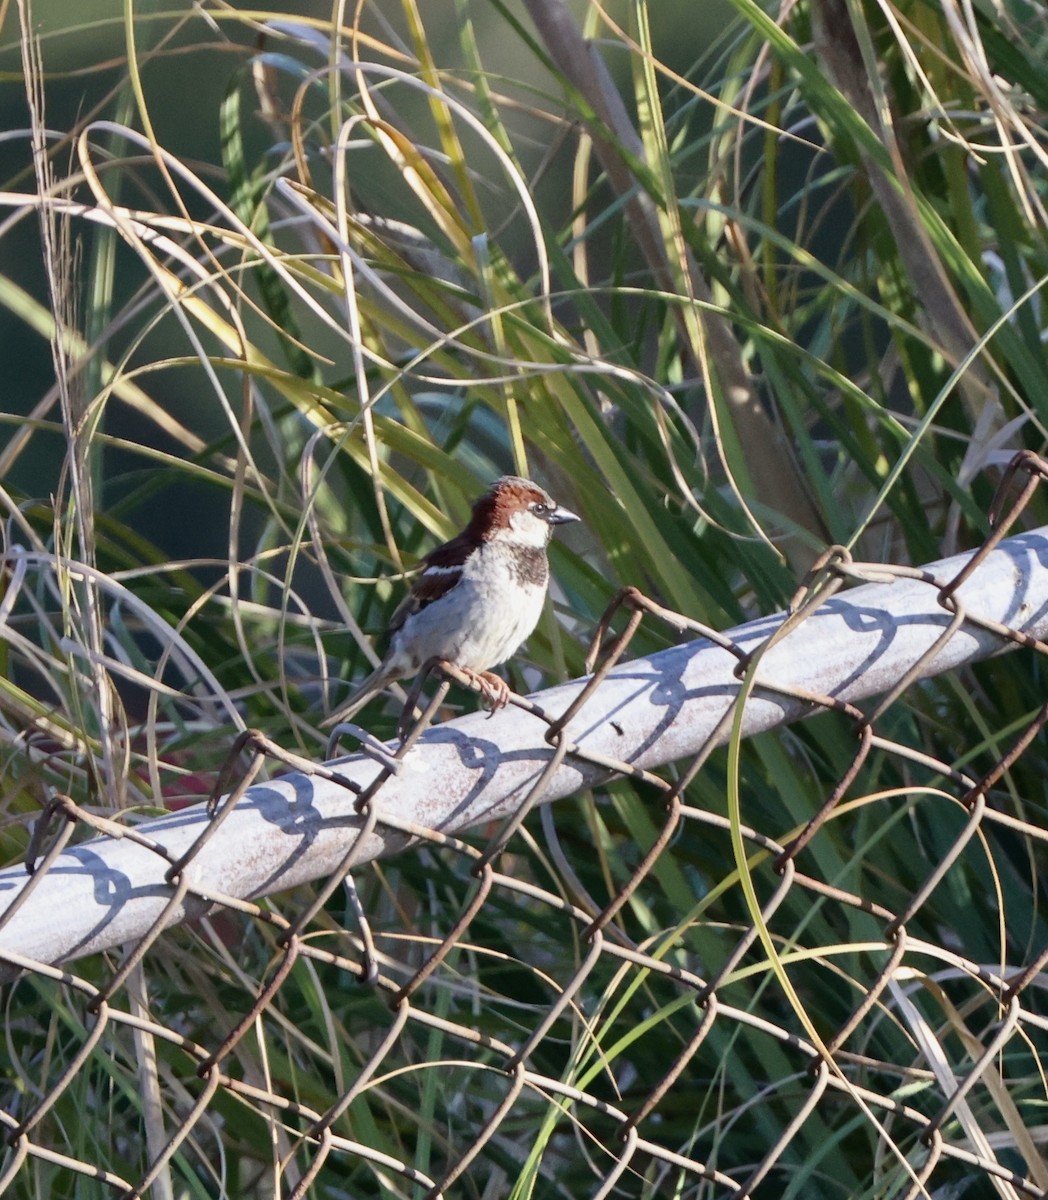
x=530 y=566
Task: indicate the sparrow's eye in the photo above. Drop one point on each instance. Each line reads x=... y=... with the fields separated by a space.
x=540 y=509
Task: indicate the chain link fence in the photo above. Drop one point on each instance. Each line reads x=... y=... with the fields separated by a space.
x=511 y=1015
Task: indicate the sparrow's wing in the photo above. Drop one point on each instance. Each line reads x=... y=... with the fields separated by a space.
x=441 y=570
x=434 y=582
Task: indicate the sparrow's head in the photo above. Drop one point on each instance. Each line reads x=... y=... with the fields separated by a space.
x=518 y=510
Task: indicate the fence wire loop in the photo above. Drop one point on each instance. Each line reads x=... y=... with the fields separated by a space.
x=460 y=980
x=59 y=805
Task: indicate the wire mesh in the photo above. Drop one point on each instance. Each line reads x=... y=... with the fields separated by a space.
x=510 y=1016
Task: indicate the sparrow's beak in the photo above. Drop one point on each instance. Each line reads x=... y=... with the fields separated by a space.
x=561 y=516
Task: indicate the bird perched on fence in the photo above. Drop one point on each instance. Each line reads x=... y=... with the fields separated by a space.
x=478 y=597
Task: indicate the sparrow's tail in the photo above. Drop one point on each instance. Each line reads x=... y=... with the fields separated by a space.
x=371 y=686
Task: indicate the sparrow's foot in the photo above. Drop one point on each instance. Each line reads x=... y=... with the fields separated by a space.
x=494 y=690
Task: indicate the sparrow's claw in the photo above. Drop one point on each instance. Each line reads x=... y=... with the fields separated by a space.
x=497 y=692
x=494 y=690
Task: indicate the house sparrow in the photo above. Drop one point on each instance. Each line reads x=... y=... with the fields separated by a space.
x=478 y=597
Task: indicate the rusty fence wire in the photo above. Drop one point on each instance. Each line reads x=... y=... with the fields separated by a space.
x=512 y=1014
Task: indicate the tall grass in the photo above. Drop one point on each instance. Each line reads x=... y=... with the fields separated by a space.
x=785 y=296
